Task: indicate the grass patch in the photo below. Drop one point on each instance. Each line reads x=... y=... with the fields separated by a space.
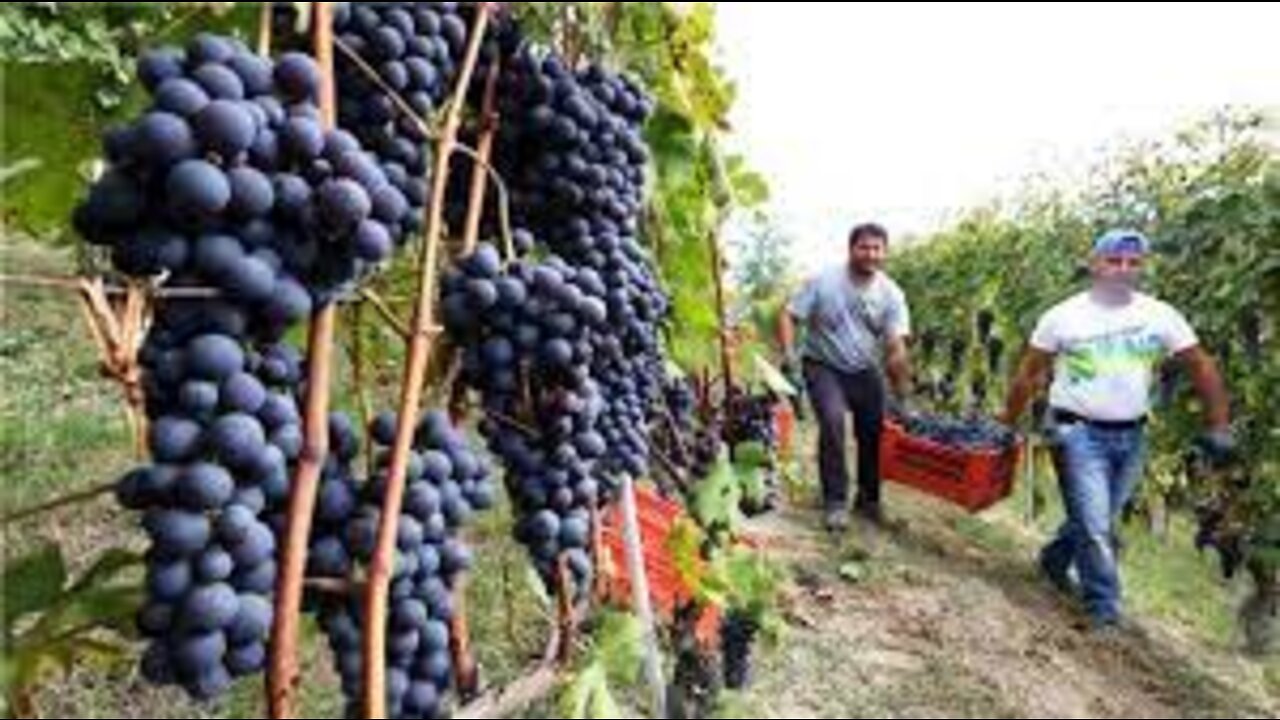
x=62 y=425
x=1171 y=580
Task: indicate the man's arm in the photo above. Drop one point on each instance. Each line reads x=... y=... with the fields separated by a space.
x=787 y=333
x=1027 y=383
x=898 y=365
x=1210 y=386
x=795 y=311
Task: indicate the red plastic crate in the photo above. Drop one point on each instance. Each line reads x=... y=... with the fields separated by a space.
x=974 y=480
x=667 y=588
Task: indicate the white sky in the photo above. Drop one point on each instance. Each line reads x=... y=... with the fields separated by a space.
x=905 y=112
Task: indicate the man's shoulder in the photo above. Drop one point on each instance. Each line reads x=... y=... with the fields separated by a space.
x=1077 y=302
x=1153 y=303
x=824 y=279
x=1068 y=310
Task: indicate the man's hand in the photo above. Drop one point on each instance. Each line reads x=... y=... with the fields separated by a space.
x=1218 y=446
x=1211 y=387
x=1032 y=372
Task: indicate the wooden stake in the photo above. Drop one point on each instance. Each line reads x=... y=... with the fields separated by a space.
x=382 y=566
x=265 y=26
x=567 y=623
x=467 y=674
x=722 y=315
x=466 y=671
x=284 y=673
x=640 y=596
x=484 y=151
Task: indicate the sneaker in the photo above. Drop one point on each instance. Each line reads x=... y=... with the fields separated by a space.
x=874 y=516
x=836 y=520
x=1060 y=580
x=1115 y=628
x=1105 y=627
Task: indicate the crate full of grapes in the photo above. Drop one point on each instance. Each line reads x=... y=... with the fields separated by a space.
x=970 y=463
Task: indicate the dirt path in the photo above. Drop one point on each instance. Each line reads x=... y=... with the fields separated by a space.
x=935 y=622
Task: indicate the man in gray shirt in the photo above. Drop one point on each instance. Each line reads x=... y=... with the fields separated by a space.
x=856 y=322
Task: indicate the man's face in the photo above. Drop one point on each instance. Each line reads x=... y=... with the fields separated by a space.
x=1120 y=272
x=867 y=255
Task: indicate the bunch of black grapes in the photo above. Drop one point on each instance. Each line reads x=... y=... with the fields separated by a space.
x=675 y=430
x=738 y=634
x=751 y=421
x=397 y=64
x=447 y=485
x=526 y=335
x=415 y=49
x=230 y=181
x=1214 y=531
x=227 y=182
x=572 y=150
x=224 y=429
x=967 y=433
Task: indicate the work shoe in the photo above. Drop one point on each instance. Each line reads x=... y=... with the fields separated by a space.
x=836 y=520
x=1060 y=580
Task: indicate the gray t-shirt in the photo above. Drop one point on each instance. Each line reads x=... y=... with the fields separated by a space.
x=847 y=324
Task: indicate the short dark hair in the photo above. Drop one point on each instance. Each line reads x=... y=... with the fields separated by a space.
x=866 y=231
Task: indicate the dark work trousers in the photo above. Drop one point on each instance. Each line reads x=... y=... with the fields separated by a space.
x=835 y=395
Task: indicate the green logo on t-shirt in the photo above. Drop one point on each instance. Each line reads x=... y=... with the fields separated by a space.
x=1113 y=355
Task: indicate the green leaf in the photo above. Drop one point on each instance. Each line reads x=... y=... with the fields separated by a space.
x=110 y=566
x=853 y=573
x=539 y=589
x=8 y=673
x=684 y=544
x=755 y=485
x=753 y=579
x=620 y=647
x=750 y=188
x=718 y=499
x=105 y=608
x=752 y=456
x=33 y=583
x=575 y=701
x=603 y=705
x=773 y=378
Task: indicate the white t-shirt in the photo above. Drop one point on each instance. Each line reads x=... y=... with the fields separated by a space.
x=1107 y=356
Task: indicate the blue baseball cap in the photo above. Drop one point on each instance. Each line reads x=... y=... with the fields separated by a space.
x=1121 y=242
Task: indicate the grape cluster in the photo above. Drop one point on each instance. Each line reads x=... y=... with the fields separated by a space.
x=225 y=427
x=227 y=182
x=230 y=181
x=572 y=149
x=219 y=386
x=447 y=484
x=751 y=422
x=526 y=336
x=1214 y=531
x=738 y=634
x=675 y=431
x=406 y=59
x=976 y=434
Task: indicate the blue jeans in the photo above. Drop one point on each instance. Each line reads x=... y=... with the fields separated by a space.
x=1098 y=472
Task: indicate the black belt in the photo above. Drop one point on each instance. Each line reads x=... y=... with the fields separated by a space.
x=1066 y=417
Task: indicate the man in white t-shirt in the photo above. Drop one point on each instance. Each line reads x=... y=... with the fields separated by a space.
x=1104 y=348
